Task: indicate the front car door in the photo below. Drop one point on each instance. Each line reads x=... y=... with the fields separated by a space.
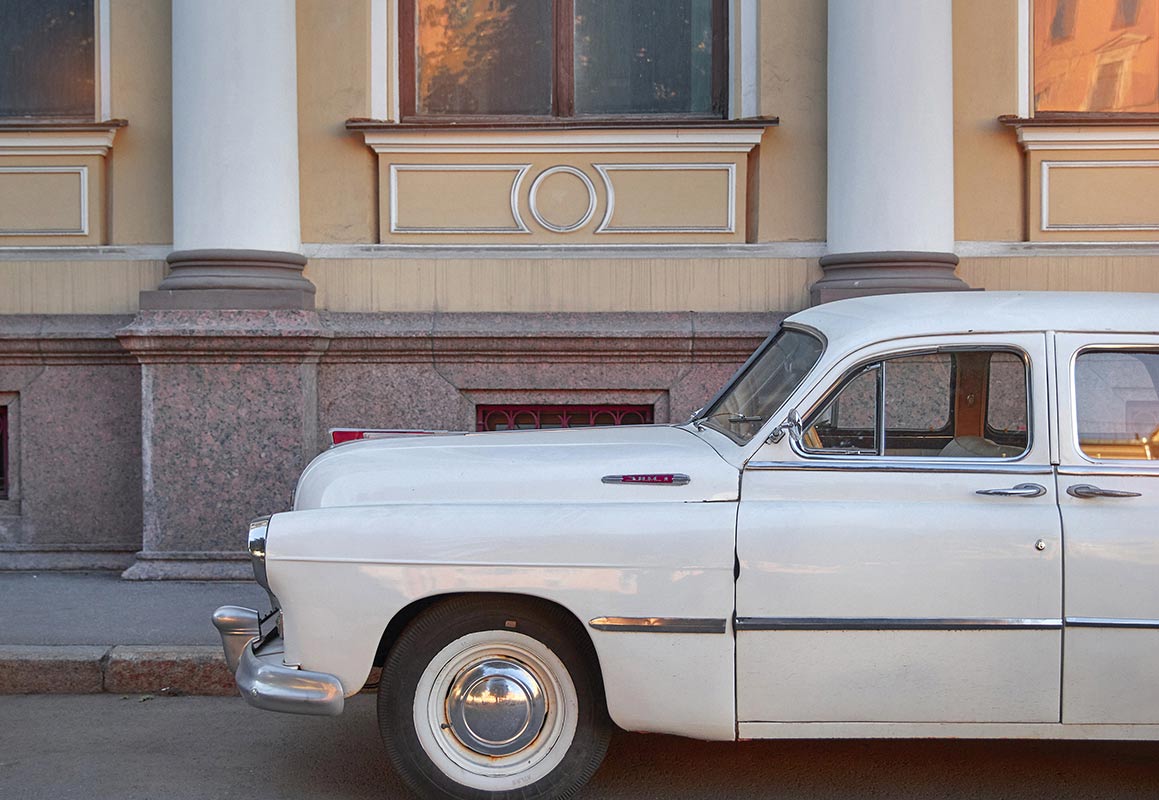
x=900 y=559
x=1109 y=494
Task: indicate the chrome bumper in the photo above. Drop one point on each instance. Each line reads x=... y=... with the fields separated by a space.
x=265 y=682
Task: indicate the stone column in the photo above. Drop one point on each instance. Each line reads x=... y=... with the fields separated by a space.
x=891 y=149
x=229 y=343
x=236 y=234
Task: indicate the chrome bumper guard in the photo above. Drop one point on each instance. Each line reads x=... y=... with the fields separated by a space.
x=255 y=659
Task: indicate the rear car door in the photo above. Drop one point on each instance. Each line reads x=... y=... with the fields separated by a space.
x=1109 y=496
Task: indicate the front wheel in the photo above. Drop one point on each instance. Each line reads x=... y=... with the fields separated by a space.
x=493 y=698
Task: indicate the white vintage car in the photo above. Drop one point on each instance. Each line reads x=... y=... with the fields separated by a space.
x=906 y=516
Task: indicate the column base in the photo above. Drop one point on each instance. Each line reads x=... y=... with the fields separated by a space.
x=885 y=272
x=232 y=279
x=189 y=566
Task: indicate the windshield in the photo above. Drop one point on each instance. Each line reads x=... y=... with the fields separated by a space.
x=763 y=386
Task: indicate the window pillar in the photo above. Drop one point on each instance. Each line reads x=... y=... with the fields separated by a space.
x=891 y=150
x=236 y=236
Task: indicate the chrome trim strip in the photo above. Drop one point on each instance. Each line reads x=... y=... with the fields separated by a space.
x=659 y=624
x=929 y=465
x=1110 y=622
x=1113 y=471
x=650 y=479
x=893 y=624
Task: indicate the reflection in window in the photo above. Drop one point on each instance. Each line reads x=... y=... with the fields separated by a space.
x=643 y=57
x=47 y=52
x=539 y=58
x=949 y=405
x=478 y=58
x=1117 y=404
x=1096 y=55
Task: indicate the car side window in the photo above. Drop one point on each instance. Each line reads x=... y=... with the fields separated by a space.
x=1117 y=404
x=953 y=404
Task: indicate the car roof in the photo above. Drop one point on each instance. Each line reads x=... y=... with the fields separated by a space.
x=895 y=316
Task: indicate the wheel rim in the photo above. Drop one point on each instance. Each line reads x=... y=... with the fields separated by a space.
x=496 y=707
x=495 y=710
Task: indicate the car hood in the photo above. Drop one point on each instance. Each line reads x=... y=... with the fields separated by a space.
x=563 y=465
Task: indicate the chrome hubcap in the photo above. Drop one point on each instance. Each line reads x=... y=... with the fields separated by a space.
x=496 y=707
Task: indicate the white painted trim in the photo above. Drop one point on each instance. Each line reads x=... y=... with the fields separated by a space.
x=82 y=174
x=56 y=143
x=520 y=171
x=85 y=253
x=395 y=68
x=660 y=140
x=379 y=55
x=1090 y=137
x=748 y=13
x=605 y=225
x=533 y=199
x=588 y=252
x=1046 y=224
x=104 y=64
x=1025 y=54
x=1055 y=249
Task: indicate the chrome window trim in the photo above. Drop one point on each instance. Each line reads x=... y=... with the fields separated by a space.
x=660 y=624
x=1111 y=470
x=915 y=464
x=1074 y=404
x=1110 y=622
x=759 y=438
x=917 y=351
x=894 y=624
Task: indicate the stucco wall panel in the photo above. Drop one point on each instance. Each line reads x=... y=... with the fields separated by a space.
x=481 y=284
x=76 y=287
x=1075 y=273
x=793 y=87
x=1093 y=195
x=988 y=196
x=336 y=170
x=141 y=161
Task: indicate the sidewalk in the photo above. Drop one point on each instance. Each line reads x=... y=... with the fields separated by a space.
x=82 y=633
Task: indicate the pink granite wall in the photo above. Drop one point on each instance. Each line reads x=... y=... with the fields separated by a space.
x=163 y=435
x=75 y=444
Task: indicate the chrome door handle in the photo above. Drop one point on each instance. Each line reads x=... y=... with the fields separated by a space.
x=1021 y=490
x=1085 y=490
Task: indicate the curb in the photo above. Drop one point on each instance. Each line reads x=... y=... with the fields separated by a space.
x=121 y=669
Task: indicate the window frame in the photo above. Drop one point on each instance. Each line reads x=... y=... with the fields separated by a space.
x=1073 y=422
x=878 y=362
x=563 y=76
x=102 y=69
x=647 y=413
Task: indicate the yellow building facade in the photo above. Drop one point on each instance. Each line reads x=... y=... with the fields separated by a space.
x=226 y=228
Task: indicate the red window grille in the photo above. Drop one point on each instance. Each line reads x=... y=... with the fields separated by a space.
x=534 y=417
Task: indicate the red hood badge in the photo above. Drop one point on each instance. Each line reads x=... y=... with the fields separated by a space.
x=656 y=479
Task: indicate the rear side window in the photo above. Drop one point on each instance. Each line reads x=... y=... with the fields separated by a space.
x=1117 y=404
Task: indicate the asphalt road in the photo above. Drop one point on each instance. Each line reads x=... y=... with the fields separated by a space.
x=106 y=746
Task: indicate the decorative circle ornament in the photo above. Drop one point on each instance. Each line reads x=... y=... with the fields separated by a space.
x=533 y=200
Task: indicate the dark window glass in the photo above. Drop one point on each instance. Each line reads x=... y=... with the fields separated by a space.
x=1126 y=13
x=563 y=58
x=1062 y=24
x=47 y=58
x=536 y=417
x=643 y=56
x=484 y=57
